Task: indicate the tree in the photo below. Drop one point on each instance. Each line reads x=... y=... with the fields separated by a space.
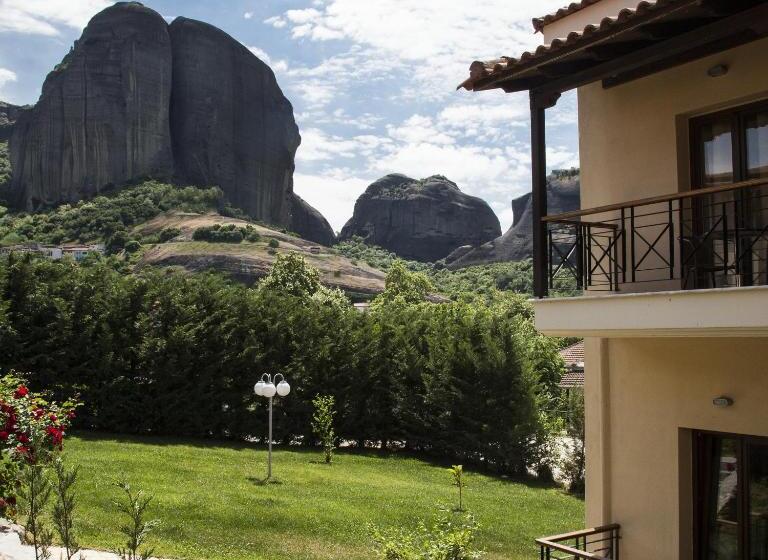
x=322 y=424
x=292 y=275
x=457 y=475
x=404 y=286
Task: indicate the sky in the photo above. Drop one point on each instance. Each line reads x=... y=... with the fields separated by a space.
x=372 y=83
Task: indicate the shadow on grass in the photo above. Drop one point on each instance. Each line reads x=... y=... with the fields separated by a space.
x=373 y=453
x=264 y=481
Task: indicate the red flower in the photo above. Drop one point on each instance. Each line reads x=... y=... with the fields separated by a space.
x=21 y=392
x=71 y=415
x=4 y=436
x=57 y=434
x=38 y=413
x=8 y=409
x=3 y=504
x=23 y=438
x=22 y=449
x=53 y=418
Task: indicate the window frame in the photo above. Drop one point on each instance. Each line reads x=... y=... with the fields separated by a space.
x=701 y=466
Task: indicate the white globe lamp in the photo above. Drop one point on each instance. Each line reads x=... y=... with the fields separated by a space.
x=259 y=388
x=283 y=388
x=269 y=390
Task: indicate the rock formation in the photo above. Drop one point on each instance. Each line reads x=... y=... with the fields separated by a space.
x=102 y=118
x=231 y=124
x=422 y=220
x=8 y=116
x=136 y=98
x=517 y=243
x=309 y=223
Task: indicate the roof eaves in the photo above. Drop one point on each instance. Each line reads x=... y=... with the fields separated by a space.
x=540 y=22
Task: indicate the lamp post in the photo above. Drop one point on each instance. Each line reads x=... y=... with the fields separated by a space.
x=266 y=388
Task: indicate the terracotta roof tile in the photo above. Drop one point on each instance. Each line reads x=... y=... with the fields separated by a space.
x=591 y=33
x=540 y=22
x=572 y=379
x=573 y=354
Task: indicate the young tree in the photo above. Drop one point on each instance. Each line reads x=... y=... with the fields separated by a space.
x=64 y=507
x=133 y=504
x=35 y=492
x=457 y=475
x=322 y=424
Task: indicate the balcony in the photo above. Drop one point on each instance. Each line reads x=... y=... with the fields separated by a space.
x=600 y=543
x=715 y=237
x=687 y=264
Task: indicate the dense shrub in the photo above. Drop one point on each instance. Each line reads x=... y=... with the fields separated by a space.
x=229 y=233
x=167 y=234
x=169 y=353
x=101 y=217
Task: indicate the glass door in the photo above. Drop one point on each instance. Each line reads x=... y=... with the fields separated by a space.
x=731 y=490
x=726 y=241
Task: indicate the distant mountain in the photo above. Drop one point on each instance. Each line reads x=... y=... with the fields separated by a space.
x=422 y=220
x=517 y=243
x=137 y=98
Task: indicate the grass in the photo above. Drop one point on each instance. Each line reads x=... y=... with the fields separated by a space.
x=214 y=504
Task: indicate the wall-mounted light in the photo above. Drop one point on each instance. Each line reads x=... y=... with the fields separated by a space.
x=717 y=71
x=722 y=402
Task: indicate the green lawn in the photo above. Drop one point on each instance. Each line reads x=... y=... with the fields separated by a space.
x=213 y=504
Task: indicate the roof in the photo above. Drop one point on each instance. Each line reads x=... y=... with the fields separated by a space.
x=573 y=354
x=540 y=22
x=579 y=57
x=571 y=379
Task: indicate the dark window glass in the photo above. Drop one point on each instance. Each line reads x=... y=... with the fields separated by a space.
x=756 y=130
x=758 y=502
x=723 y=507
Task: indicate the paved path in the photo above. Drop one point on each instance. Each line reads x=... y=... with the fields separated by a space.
x=12 y=549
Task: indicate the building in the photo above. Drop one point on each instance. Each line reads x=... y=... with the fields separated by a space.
x=79 y=252
x=670 y=249
x=54 y=252
x=573 y=358
x=48 y=251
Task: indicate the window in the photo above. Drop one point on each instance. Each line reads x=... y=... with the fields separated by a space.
x=731 y=497
x=729 y=231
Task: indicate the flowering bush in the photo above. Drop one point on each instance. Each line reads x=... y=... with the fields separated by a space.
x=32 y=431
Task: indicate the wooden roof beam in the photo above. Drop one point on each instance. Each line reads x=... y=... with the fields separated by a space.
x=672 y=51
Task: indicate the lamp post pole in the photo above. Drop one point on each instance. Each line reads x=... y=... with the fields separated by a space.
x=266 y=388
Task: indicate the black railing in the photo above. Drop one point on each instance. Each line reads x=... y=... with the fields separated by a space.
x=600 y=543
x=707 y=238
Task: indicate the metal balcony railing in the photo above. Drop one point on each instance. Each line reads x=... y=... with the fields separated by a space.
x=600 y=543
x=706 y=238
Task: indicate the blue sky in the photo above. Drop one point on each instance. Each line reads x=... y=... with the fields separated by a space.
x=372 y=84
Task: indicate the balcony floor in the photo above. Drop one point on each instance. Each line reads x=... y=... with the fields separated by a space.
x=723 y=312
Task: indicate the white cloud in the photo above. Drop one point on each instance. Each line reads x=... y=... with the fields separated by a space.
x=276 y=21
x=248 y=15
x=333 y=193
x=437 y=39
x=6 y=76
x=43 y=17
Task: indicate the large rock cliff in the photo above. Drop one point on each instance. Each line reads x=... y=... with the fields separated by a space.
x=309 y=223
x=517 y=243
x=136 y=98
x=231 y=124
x=102 y=118
x=422 y=220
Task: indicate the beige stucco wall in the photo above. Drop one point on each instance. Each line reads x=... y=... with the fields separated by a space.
x=643 y=398
x=633 y=138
